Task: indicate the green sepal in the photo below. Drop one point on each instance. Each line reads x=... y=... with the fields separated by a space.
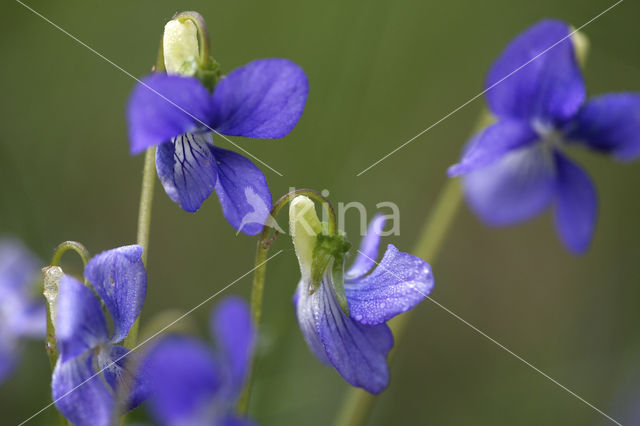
x=322 y=255
x=209 y=74
x=330 y=248
x=337 y=272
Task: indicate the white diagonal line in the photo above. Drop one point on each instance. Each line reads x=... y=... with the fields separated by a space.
x=162 y=330
x=487 y=89
x=148 y=87
x=500 y=345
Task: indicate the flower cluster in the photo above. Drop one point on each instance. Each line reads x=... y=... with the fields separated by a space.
x=517 y=167
x=512 y=171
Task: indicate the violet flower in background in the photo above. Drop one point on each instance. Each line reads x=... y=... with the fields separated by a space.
x=22 y=309
x=193 y=385
x=91 y=368
x=263 y=99
x=355 y=344
x=517 y=167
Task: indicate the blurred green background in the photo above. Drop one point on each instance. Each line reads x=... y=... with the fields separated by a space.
x=379 y=73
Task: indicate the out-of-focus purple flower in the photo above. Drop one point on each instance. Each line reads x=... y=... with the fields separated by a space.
x=355 y=344
x=263 y=99
x=22 y=313
x=194 y=385
x=517 y=167
x=92 y=370
x=624 y=407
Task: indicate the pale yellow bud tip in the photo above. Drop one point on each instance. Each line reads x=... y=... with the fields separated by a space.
x=52 y=277
x=180 y=47
x=304 y=226
x=581 y=45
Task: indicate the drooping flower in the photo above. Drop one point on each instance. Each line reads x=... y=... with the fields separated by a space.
x=92 y=371
x=344 y=321
x=175 y=111
x=193 y=385
x=517 y=167
x=22 y=314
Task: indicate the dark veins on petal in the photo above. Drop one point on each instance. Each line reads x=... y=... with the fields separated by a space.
x=187 y=169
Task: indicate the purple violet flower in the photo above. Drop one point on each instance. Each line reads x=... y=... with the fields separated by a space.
x=356 y=343
x=263 y=99
x=92 y=370
x=517 y=167
x=193 y=385
x=22 y=315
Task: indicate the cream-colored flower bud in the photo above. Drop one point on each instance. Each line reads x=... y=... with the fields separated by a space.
x=304 y=226
x=581 y=45
x=180 y=47
x=52 y=277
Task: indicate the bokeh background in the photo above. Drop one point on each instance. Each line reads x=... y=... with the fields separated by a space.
x=379 y=72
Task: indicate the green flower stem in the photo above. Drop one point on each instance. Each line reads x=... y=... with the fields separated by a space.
x=431 y=239
x=267 y=237
x=65 y=247
x=144 y=224
x=50 y=344
x=357 y=404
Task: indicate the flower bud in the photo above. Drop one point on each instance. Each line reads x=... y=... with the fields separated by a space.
x=304 y=226
x=581 y=45
x=52 y=277
x=180 y=47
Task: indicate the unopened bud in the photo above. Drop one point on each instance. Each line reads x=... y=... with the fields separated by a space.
x=304 y=226
x=180 y=47
x=52 y=277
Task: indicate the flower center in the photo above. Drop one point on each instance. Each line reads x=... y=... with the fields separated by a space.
x=550 y=137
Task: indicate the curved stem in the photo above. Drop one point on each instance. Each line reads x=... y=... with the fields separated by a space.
x=266 y=239
x=264 y=243
x=203 y=32
x=144 y=224
x=65 y=247
x=51 y=277
x=358 y=403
